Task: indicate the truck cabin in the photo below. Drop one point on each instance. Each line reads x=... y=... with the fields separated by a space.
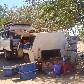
x=9 y=34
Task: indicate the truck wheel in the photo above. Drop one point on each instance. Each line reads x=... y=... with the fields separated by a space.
x=26 y=58
x=6 y=55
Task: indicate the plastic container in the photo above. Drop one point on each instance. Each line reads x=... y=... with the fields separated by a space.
x=27 y=67
x=27 y=75
x=9 y=71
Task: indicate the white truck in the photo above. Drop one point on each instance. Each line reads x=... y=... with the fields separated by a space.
x=47 y=45
x=44 y=45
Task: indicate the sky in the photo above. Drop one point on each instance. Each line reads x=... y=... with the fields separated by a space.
x=12 y=3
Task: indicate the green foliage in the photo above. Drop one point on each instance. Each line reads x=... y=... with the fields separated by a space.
x=51 y=14
x=57 y=14
x=20 y=15
x=3 y=15
x=60 y=13
x=81 y=34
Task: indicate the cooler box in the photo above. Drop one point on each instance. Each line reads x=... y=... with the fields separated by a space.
x=9 y=71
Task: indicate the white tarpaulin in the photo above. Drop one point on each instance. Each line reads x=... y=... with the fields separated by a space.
x=48 y=41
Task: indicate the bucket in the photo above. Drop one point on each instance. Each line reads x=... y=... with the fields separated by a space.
x=9 y=71
x=27 y=75
x=27 y=67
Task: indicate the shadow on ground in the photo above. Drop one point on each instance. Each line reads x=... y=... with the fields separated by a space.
x=40 y=79
x=50 y=80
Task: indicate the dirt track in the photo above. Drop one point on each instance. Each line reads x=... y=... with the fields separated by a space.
x=79 y=79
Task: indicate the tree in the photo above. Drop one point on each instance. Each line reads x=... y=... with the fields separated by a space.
x=3 y=13
x=59 y=14
x=20 y=15
x=52 y=14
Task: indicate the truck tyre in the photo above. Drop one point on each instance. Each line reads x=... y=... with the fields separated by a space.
x=26 y=58
x=6 y=55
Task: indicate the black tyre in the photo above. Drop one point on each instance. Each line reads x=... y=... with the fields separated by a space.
x=26 y=58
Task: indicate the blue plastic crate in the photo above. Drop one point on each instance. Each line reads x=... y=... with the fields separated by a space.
x=27 y=67
x=27 y=75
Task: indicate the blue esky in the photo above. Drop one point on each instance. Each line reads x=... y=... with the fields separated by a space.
x=12 y=3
